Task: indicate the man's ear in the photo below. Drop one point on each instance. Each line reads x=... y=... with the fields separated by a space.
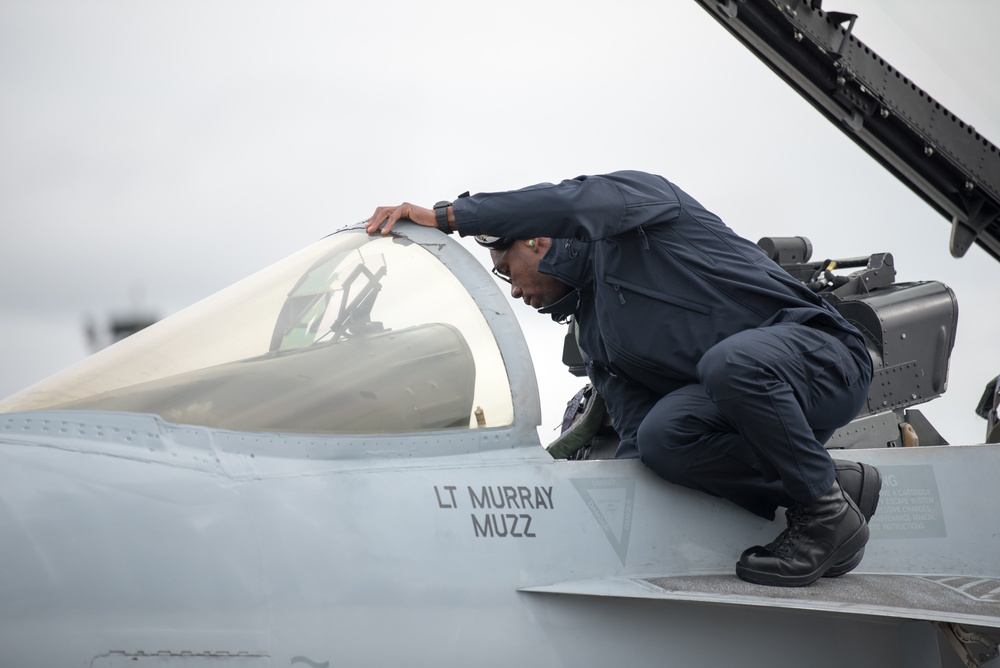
x=541 y=244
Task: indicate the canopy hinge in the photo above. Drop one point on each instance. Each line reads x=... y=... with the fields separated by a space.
x=964 y=643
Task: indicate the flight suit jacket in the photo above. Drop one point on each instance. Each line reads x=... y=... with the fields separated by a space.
x=658 y=281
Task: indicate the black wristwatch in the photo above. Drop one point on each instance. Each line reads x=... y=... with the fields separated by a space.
x=441 y=216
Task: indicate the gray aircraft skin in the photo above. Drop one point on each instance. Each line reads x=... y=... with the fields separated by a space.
x=237 y=486
x=335 y=462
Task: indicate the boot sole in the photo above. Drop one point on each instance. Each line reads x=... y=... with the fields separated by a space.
x=845 y=566
x=847 y=552
x=867 y=501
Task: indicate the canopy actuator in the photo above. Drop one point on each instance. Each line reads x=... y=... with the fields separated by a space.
x=937 y=155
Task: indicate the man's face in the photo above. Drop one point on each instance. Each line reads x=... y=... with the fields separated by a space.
x=519 y=266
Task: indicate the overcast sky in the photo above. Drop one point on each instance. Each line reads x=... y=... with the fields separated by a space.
x=154 y=152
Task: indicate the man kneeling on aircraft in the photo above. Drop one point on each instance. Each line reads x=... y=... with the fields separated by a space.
x=720 y=371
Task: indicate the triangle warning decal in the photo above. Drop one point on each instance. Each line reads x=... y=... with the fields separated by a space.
x=611 y=501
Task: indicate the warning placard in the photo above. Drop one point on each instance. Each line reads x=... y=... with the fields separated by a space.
x=909 y=506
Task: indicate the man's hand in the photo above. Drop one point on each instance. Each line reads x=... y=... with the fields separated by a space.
x=386 y=216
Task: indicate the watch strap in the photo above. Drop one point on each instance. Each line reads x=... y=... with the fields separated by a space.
x=441 y=216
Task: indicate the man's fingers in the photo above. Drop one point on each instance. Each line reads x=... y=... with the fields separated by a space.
x=390 y=219
x=387 y=216
x=380 y=216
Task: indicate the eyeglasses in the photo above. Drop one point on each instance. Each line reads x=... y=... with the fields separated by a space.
x=500 y=273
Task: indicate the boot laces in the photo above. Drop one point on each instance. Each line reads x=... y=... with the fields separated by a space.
x=786 y=542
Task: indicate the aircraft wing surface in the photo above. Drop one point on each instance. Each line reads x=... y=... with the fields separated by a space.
x=939 y=598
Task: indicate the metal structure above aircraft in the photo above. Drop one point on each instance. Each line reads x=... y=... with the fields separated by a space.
x=937 y=155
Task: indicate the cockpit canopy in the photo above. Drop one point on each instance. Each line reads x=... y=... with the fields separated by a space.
x=354 y=334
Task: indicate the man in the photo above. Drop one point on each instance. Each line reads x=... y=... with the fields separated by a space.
x=720 y=371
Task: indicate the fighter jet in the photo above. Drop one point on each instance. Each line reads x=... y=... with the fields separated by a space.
x=335 y=462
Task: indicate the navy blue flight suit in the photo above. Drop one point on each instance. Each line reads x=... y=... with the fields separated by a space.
x=720 y=371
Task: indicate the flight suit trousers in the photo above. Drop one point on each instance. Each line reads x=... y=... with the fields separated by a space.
x=752 y=430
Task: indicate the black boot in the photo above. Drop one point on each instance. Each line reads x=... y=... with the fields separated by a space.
x=861 y=482
x=820 y=534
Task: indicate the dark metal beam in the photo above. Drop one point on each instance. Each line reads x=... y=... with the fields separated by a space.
x=937 y=155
